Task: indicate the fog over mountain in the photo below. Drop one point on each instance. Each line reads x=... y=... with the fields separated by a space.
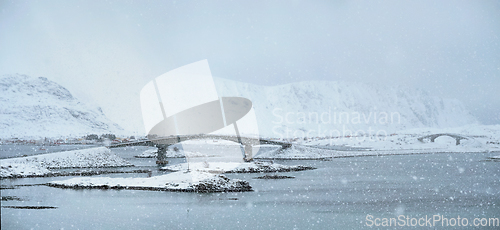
x=322 y=108
x=38 y=107
x=103 y=51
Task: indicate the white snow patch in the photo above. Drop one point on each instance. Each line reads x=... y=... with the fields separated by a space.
x=148 y=153
x=179 y=181
x=445 y=141
x=39 y=164
x=235 y=167
x=480 y=138
x=153 y=153
x=22 y=169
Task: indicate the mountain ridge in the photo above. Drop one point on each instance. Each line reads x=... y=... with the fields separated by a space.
x=38 y=107
x=416 y=108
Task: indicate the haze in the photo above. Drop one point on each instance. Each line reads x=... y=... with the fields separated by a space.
x=105 y=52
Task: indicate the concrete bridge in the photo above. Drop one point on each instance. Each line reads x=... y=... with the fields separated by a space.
x=434 y=136
x=162 y=143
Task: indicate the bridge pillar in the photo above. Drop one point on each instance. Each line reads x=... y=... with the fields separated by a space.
x=248 y=153
x=161 y=158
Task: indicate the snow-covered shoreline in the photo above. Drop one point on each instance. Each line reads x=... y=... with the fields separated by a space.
x=176 y=182
x=312 y=153
x=197 y=179
x=153 y=153
x=476 y=139
x=40 y=165
x=246 y=167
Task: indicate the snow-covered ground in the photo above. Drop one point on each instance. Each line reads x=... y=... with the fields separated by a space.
x=201 y=177
x=194 y=181
x=39 y=165
x=198 y=149
x=207 y=160
x=228 y=167
x=153 y=153
x=479 y=139
x=21 y=169
x=148 y=153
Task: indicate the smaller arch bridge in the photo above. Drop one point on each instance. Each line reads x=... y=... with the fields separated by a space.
x=433 y=137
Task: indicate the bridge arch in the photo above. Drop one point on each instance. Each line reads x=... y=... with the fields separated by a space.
x=433 y=137
x=162 y=143
x=248 y=142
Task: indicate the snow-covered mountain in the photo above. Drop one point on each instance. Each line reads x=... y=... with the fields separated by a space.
x=327 y=108
x=38 y=107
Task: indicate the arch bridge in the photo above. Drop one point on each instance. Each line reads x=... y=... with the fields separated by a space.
x=433 y=137
x=162 y=143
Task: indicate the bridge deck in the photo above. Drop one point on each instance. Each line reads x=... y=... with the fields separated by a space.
x=177 y=139
x=433 y=137
x=162 y=143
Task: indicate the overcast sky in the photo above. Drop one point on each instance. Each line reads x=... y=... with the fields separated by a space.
x=104 y=51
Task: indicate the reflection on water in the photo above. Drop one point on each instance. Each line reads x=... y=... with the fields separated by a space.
x=339 y=194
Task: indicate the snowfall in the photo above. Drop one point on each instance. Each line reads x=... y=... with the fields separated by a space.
x=193 y=181
x=234 y=167
x=192 y=177
x=40 y=165
x=201 y=176
x=38 y=108
x=478 y=139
